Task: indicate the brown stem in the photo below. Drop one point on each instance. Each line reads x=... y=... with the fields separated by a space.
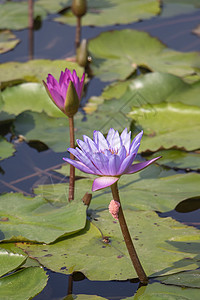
x=127 y=238
x=78 y=32
x=70 y=284
x=72 y=169
x=30 y=27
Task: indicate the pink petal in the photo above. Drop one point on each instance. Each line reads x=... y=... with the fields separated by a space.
x=103 y=182
x=137 y=167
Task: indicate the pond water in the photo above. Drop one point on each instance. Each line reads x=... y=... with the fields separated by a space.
x=34 y=163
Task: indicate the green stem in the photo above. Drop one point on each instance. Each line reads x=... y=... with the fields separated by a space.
x=127 y=238
x=72 y=169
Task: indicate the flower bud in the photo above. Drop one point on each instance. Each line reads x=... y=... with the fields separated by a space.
x=79 y=7
x=82 y=54
x=72 y=101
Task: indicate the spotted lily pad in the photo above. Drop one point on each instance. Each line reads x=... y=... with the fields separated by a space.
x=109 y=12
x=6 y=149
x=15 y=15
x=53 y=6
x=8 y=41
x=25 y=218
x=23 y=284
x=163 y=126
x=88 y=252
x=116 y=55
x=187 y=279
x=34 y=70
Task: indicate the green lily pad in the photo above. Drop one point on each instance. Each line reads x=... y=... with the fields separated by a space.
x=157 y=291
x=29 y=96
x=10 y=261
x=109 y=12
x=88 y=253
x=83 y=297
x=116 y=55
x=6 y=149
x=178 y=159
x=188 y=279
x=151 y=189
x=151 y=88
x=178 y=7
x=164 y=128
x=53 y=6
x=24 y=284
x=37 y=220
x=14 y=15
x=34 y=70
x=8 y=41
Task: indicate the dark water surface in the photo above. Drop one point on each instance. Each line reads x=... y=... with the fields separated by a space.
x=29 y=167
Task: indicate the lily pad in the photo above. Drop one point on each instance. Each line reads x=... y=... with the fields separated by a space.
x=10 y=261
x=164 y=128
x=188 y=279
x=109 y=12
x=88 y=253
x=29 y=96
x=8 y=41
x=15 y=15
x=83 y=297
x=157 y=291
x=34 y=70
x=6 y=149
x=24 y=284
x=151 y=189
x=52 y=6
x=117 y=54
x=37 y=220
x=179 y=159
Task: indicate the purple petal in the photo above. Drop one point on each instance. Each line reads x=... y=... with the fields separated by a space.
x=79 y=165
x=137 y=167
x=103 y=182
x=110 y=135
x=91 y=144
x=100 y=141
x=101 y=163
x=114 y=165
x=128 y=161
x=126 y=139
x=136 y=141
x=116 y=142
x=57 y=98
x=122 y=153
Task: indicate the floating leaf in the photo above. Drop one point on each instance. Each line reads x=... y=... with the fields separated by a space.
x=151 y=189
x=10 y=261
x=14 y=15
x=6 y=149
x=116 y=55
x=188 y=279
x=37 y=220
x=164 y=128
x=178 y=159
x=24 y=284
x=88 y=253
x=157 y=291
x=83 y=297
x=53 y=6
x=8 y=41
x=29 y=96
x=109 y=12
x=34 y=70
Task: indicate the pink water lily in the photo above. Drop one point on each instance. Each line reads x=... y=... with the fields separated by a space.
x=58 y=90
x=109 y=157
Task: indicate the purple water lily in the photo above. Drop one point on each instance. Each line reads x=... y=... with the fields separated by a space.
x=58 y=90
x=109 y=157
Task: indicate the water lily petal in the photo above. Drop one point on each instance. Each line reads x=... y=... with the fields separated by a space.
x=103 y=182
x=122 y=153
x=84 y=159
x=128 y=161
x=57 y=98
x=136 y=140
x=101 y=162
x=114 y=165
x=79 y=165
x=84 y=147
x=100 y=141
x=137 y=167
x=126 y=139
x=110 y=135
x=116 y=142
x=91 y=144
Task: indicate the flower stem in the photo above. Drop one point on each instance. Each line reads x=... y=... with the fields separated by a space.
x=127 y=238
x=78 y=32
x=72 y=169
